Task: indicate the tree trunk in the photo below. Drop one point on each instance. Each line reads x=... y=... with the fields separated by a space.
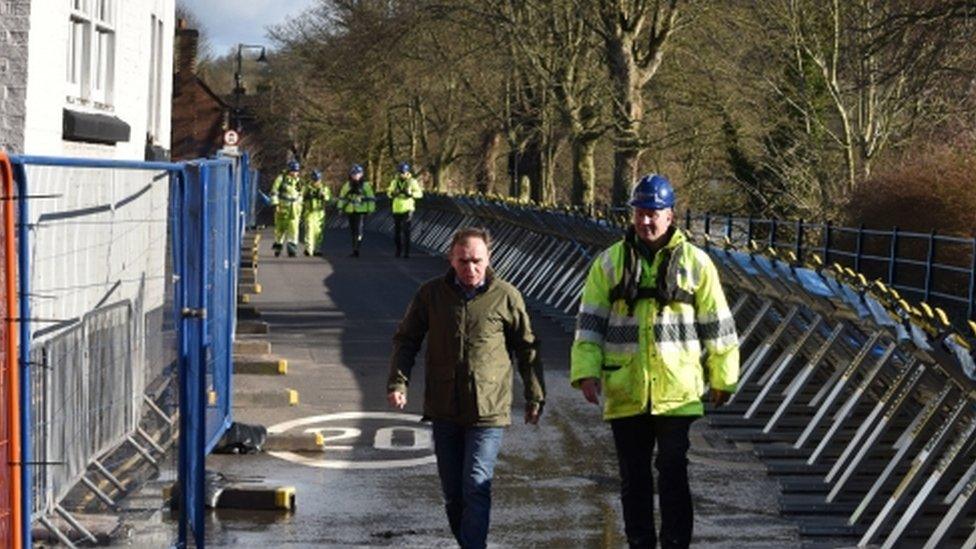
x=584 y=173
x=547 y=179
x=628 y=114
x=487 y=176
x=525 y=166
x=437 y=177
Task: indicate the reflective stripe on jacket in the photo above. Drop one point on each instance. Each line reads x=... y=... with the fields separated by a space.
x=655 y=356
x=403 y=192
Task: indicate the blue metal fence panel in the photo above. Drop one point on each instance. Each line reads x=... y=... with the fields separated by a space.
x=192 y=215
x=221 y=189
x=208 y=208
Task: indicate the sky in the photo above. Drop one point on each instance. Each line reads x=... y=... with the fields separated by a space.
x=230 y=22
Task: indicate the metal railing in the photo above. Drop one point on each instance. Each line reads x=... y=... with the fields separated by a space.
x=938 y=269
x=127 y=272
x=864 y=409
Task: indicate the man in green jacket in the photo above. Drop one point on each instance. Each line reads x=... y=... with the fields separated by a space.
x=286 y=197
x=472 y=319
x=403 y=190
x=652 y=307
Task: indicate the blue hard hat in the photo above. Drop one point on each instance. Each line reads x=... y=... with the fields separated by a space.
x=356 y=168
x=403 y=167
x=316 y=175
x=653 y=192
x=294 y=166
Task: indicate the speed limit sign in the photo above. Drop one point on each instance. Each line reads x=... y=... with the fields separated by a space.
x=231 y=138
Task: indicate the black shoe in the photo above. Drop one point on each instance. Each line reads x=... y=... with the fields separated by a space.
x=355 y=253
x=406 y=256
x=277 y=252
x=277 y=249
x=397 y=253
x=308 y=253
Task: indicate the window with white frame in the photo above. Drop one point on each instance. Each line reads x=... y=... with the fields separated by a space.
x=90 y=74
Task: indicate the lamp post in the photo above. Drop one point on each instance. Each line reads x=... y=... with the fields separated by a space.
x=239 y=80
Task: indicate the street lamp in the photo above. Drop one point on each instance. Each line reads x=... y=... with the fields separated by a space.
x=239 y=81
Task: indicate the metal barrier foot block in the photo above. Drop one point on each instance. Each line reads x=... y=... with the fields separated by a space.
x=266 y=399
x=261 y=498
x=260 y=366
x=252 y=327
x=244 y=298
x=252 y=347
x=249 y=288
x=297 y=442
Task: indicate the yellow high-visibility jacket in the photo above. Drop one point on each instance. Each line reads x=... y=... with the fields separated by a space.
x=654 y=356
x=403 y=191
x=286 y=188
x=357 y=198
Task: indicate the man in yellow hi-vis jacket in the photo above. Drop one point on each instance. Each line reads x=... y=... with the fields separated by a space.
x=403 y=190
x=286 y=197
x=652 y=308
x=315 y=195
x=357 y=200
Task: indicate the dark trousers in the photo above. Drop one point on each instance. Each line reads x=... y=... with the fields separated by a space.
x=635 y=438
x=356 y=228
x=401 y=233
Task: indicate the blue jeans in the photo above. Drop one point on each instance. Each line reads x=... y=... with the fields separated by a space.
x=466 y=463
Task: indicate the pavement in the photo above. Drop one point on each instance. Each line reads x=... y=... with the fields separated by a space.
x=375 y=484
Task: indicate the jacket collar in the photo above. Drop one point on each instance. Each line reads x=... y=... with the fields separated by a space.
x=451 y=279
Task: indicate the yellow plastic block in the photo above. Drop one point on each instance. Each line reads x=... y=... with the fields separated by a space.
x=285 y=497
x=292 y=397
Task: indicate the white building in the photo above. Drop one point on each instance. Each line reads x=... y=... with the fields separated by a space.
x=89 y=78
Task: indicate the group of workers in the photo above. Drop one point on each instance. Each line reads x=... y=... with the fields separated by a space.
x=300 y=204
x=653 y=330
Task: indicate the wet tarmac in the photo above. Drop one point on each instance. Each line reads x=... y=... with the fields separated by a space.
x=556 y=484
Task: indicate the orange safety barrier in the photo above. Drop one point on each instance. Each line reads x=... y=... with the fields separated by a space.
x=10 y=511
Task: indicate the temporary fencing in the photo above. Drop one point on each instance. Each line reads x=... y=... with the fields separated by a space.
x=862 y=405
x=127 y=281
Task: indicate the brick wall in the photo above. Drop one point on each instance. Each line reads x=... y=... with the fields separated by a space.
x=14 y=27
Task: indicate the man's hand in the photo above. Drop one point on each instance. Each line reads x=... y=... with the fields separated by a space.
x=396 y=399
x=532 y=413
x=718 y=397
x=591 y=389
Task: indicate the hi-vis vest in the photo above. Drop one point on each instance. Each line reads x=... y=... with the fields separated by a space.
x=403 y=192
x=286 y=189
x=653 y=354
x=357 y=199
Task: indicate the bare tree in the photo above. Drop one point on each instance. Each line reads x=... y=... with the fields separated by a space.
x=635 y=34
